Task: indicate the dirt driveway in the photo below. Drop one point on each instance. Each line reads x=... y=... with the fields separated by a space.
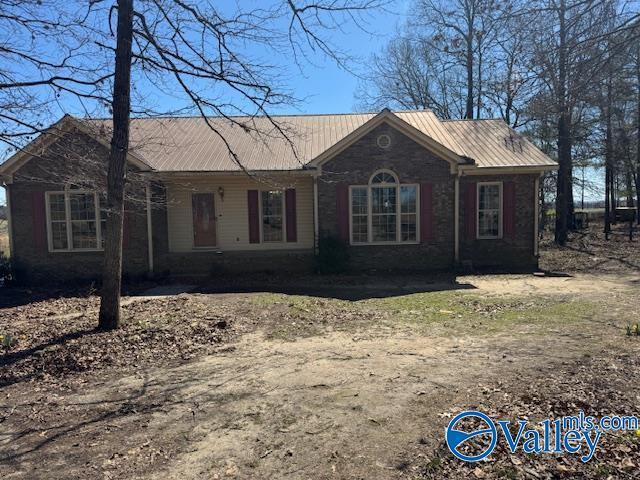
x=342 y=401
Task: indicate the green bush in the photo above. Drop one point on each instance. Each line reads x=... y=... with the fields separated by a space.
x=333 y=255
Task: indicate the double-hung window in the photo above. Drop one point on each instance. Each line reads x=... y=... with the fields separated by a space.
x=489 y=210
x=74 y=220
x=272 y=207
x=384 y=211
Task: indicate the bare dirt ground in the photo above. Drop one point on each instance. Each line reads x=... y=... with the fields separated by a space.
x=343 y=381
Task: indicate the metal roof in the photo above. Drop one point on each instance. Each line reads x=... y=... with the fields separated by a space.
x=191 y=144
x=492 y=143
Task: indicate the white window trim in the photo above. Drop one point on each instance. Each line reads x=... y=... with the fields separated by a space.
x=215 y=224
x=398 y=214
x=68 y=221
x=500 y=212
x=284 y=218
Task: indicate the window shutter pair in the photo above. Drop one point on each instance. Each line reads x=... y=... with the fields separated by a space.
x=426 y=212
x=291 y=228
x=508 y=210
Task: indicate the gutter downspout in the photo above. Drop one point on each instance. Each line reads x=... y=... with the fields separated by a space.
x=149 y=229
x=315 y=215
x=536 y=219
x=456 y=218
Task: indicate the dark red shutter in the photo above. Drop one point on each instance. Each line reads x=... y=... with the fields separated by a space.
x=426 y=212
x=39 y=217
x=290 y=206
x=126 y=229
x=342 y=211
x=254 y=216
x=470 y=212
x=509 y=209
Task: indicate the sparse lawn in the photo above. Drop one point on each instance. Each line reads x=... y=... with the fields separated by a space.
x=447 y=312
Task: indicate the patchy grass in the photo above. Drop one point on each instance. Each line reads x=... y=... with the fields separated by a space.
x=449 y=310
x=484 y=314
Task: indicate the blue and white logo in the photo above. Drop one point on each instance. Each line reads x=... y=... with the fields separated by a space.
x=574 y=434
x=456 y=438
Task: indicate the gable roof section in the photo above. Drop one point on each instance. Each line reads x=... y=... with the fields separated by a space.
x=38 y=146
x=410 y=124
x=493 y=144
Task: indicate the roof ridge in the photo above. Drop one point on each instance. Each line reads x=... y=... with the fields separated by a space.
x=473 y=120
x=278 y=115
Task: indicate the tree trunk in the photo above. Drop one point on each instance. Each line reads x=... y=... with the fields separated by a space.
x=638 y=136
x=582 y=193
x=564 y=139
x=112 y=271
x=564 y=171
x=608 y=151
x=479 y=100
x=612 y=190
x=469 y=61
x=607 y=206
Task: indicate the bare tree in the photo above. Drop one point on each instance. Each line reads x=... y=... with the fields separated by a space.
x=47 y=59
x=464 y=31
x=198 y=49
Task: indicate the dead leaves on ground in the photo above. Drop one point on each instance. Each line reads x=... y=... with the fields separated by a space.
x=58 y=337
x=602 y=385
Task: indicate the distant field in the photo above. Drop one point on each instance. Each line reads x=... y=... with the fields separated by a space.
x=4 y=237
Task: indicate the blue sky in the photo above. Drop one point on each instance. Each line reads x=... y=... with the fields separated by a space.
x=326 y=88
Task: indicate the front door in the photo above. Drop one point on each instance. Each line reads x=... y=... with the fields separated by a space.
x=204 y=220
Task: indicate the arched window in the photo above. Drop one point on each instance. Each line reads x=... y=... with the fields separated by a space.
x=384 y=211
x=383 y=176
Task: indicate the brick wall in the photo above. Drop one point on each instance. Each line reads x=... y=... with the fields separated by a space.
x=354 y=166
x=80 y=160
x=506 y=253
x=412 y=163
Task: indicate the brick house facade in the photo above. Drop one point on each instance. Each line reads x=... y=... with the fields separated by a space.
x=403 y=191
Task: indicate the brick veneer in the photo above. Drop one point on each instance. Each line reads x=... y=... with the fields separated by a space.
x=413 y=164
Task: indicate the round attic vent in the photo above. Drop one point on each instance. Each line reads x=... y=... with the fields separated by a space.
x=384 y=141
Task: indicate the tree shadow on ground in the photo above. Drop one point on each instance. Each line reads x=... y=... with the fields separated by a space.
x=340 y=287
x=8 y=359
